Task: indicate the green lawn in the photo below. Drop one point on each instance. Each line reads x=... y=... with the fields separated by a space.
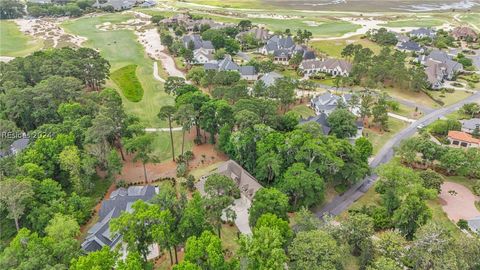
x=15 y=43
x=472 y=18
x=418 y=97
x=162 y=144
x=303 y=110
x=127 y=81
x=379 y=139
x=334 y=48
x=415 y=22
x=121 y=48
x=408 y=111
x=450 y=98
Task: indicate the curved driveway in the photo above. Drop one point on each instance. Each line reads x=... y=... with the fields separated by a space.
x=342 y=202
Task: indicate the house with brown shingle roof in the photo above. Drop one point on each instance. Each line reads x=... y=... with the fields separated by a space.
x=462 y=139
x=463 y=32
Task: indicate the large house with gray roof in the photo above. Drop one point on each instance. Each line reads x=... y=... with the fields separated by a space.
x=121 y=200
x=334 y=67
x=423 y=32
x=283 y=48
x=248 y=186
x=328 y=102
x=410 y=46
x=260 y=34
x=439 y=66
x=117 y=5
x=248 y=73
x=270 y=78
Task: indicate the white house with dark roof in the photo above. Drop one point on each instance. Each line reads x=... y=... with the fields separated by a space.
x=283 y=48
x=121 y=200
x=334 y=67
x=248 y=73
x=328 y=102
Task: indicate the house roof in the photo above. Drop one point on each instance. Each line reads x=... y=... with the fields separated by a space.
x=320 y=119
x=247 y=184
x=270 y=78
x=462 y=136
x=261 y=34
x=464 y=31
x=423 y=32
x=330 y=63
x=198 y=42
x=227 y=64
x=471 y=123
x=121 y=200
x=474 y=224
x=409 y=46
x=247 y=70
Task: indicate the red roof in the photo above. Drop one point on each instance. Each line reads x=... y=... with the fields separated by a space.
x=462 y=136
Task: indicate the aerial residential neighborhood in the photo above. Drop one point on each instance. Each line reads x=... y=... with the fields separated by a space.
x=240 y=135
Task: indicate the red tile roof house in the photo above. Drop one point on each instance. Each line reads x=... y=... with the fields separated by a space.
x=462 y=139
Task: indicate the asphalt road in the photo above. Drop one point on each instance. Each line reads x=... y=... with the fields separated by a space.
x=342 y=202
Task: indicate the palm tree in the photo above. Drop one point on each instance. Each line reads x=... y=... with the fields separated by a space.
x=142 y=146
x=185 y=116
x=167 y=113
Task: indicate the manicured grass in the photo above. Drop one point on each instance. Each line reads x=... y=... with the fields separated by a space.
x=408 y=112
x=121 y=48
x=472 y=19
x=379 y=139
x=15 y=43
x=417 y=97
x=333 y=48
x=417 y=22
x=303 y=110
x=162 y=144
x=450 y=98
x=127 y=81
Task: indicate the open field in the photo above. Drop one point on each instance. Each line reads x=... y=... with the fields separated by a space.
x=418 y=97
x=121 y=48
x=15 y=43
x=334 y=47
x=473 y=19
x=127 y=81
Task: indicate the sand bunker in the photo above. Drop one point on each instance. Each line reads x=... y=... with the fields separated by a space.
x=49 y=30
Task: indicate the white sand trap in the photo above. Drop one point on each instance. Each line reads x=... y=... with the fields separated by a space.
x=458 y=202
x=48 y=29
x=6 y=59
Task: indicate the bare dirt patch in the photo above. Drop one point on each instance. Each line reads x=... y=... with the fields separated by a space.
x=458 y=202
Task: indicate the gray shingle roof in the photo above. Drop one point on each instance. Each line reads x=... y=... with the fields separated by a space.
x=409 y=46
x=121 y=200
x=247 y=70
x=320 y=119
x=471 y=123
x=270 y=78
